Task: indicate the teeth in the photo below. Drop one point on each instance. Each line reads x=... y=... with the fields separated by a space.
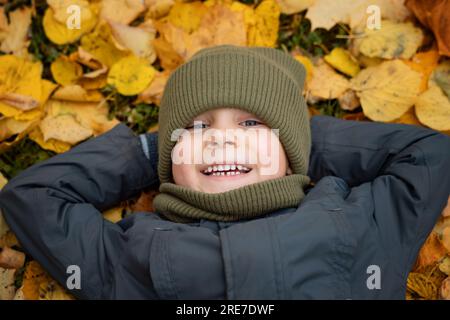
x=221 y=170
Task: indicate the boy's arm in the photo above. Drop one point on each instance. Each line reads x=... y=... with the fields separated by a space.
x=54 y=206
x=407 y=166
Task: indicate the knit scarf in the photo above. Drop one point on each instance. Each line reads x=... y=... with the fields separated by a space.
x=181 y=204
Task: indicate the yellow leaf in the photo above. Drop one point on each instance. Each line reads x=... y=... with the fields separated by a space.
x=433 y=109
x=10 y=127
x=154 y=92
x=388 y=90
x=158 y=8
x=65 y=71
x=294 y=6
x=77 y=93
x=187 y=15
x=13 y=37
x=326 y=83
x=306 y=62
x=343 y=61
x=64 y=128
x=441 y=77
x=62 y=14
x=47 y=88
x=60 y=33
x=393 y=40
x=265 y=31
x=327 y=13
x=114 y=214
x=425 y=63
x=101 y=47
x=131 y=75
x=51 y=144
x=19 y=83
x=137 y=40
x=121 y=11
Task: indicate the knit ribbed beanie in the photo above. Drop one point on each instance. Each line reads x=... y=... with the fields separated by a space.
x=264 y=81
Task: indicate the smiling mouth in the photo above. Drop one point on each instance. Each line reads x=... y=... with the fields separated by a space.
x=226 y=170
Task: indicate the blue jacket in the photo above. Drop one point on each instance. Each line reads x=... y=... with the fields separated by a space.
x=379 y=189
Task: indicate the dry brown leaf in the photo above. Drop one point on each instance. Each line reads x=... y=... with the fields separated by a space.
x=431 y=252
x=11 y=259
x=349 y=100
x=421 y=285
x=7 y=288
x=445 y=289
x=9 y=240
x=435 y=15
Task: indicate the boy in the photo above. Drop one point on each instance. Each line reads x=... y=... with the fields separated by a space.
x=379 y=189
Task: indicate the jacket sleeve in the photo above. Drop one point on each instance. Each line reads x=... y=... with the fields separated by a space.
x=54 y=206
x=407 y=166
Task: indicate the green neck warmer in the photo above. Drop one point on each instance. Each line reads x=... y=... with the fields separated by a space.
x=181 y=204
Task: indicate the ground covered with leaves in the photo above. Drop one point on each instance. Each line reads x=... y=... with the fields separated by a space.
x=64 y=80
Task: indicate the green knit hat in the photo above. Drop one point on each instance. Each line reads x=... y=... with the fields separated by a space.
x=264 y=81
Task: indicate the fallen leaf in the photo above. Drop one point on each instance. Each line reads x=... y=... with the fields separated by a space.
x=421 y=285
x=13 y=35
x=65 y=71
x=349 y=100
x=122 y=11
x=431 y=252
x=100 y=46
x=187 y=16
x=114 y=214
x=342 y=60
x=306 y=62
x=51 y=144
x=327 y=13
x=425 y=63
x=11 y=259
x=445 y=289
x=137 y=40
x=444 y=265
x=153 y=93
x=64 y=128
x=7 y=288
x=62 y=14
x=326 y=83
x=409 y=117
x=60 y=33
x=265 y=31
x=393 y=40
x=75 y=92
x=433 y=109
x=158 y=8
x=441 y=77
x=434 y=14
x=20 y=84
x=388 y=90
x=131 y=75
x=10 y=127
x=294 y=6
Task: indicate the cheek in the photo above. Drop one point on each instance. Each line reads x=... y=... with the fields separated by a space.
x=184 y=174
x=272 y=157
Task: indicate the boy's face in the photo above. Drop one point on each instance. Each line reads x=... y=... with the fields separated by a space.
x=227 y=148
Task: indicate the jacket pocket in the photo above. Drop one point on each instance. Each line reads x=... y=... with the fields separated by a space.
x=160 y=272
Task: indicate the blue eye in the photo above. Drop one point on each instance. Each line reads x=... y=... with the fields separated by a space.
x=251 y=123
